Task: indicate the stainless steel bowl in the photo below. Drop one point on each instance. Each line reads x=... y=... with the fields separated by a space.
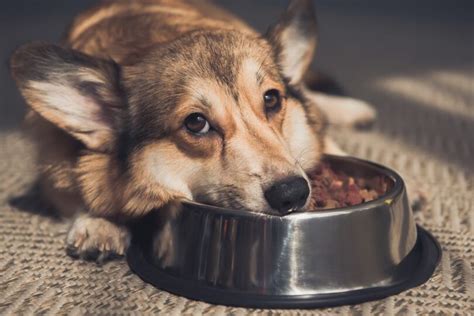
x=306 y=259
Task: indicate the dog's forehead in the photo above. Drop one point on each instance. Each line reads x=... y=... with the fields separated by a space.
x=248 y=77
x=216 y=55
x=223 y=57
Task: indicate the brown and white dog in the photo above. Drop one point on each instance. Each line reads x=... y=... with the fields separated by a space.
x=151 y=101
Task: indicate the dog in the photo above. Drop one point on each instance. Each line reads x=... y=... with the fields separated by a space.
x=150 y=102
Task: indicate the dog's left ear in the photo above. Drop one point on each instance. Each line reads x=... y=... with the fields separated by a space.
x=294 y=39
x=74 y=91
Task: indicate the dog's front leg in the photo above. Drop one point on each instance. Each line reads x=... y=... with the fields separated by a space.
x=96 y=238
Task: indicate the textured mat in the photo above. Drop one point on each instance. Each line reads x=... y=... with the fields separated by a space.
x=425 y=131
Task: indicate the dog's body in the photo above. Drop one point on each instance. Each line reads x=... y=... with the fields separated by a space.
x=149 y=97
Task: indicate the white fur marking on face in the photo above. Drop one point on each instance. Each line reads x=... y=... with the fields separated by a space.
x=250 y=68
x=300 y=137
x=250 y=158
x=168 y=172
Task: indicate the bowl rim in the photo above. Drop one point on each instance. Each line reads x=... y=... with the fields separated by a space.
x=386 y=198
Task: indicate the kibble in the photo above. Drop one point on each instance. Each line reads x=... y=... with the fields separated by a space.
x=336 y=188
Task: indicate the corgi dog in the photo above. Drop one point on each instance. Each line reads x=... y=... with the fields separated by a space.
x=149 y=102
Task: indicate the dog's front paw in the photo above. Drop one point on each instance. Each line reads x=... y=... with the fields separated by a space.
x=97 y=239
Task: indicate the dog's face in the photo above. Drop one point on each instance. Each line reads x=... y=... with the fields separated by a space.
x=216 y=117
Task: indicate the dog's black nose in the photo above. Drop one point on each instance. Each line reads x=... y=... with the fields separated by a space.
x=287 y=194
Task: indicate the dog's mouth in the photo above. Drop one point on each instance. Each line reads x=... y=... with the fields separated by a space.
x=288 y=195
x=225 y=203
x=235 y=202
x=226 y=196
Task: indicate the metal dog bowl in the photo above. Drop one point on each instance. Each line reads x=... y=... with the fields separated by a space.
x=300 y=260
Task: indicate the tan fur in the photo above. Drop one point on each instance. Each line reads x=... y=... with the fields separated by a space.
x=90 y=234
x=56 y=162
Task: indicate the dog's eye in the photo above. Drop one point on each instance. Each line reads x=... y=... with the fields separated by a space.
x=197 y=124
x=272 y=100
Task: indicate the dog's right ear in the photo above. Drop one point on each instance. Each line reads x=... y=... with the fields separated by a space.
x=76 y=92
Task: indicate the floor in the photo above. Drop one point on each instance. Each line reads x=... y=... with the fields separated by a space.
x=413 y=60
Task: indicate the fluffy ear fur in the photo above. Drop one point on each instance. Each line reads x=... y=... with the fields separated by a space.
x=76 y=92
x=294 y=39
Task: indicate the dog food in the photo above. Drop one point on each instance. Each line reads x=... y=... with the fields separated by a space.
x=335 y=188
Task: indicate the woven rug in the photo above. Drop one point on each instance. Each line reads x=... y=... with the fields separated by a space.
x=425 y=130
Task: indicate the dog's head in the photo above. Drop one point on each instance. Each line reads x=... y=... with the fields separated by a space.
x=214 y=116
